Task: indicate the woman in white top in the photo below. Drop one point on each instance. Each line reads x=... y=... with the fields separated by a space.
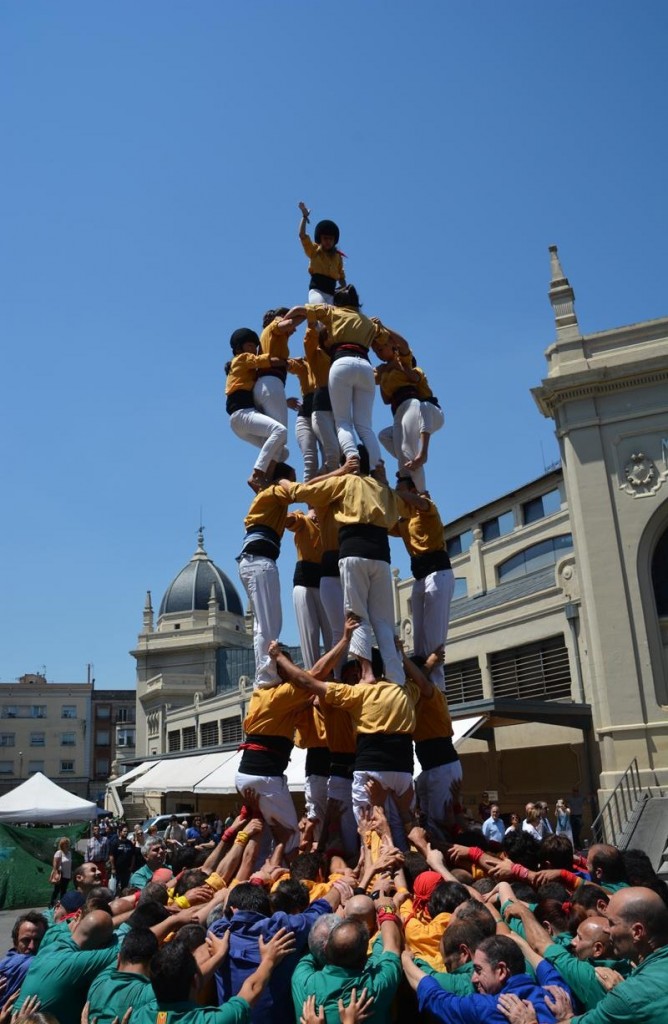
x=531 y=823
x=62 y=870
x=563 y=820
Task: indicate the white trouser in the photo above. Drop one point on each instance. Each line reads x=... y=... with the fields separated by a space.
x=311 y=622
x=435 y=795
x=352 y=390
x=325 y=430
x=265 y=433
x=269 y=396
x=318 y=298
x=433 y=417
x=308 y=445
x=315 y=799
x=397 y=783
x=275 y=802
x=402 y=440
x=430 y=601
x=259 y=576
x=340 y=789
x=331 y=598
x=367 y=593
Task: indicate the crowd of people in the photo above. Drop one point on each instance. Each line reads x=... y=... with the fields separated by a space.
x=385 y=902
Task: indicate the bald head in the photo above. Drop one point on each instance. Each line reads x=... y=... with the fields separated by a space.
x=347 y=944
x=592 y=939
x=362 y=908
x=637 y=922
x=94 y=931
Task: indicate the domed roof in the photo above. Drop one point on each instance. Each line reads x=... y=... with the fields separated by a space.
x=191 y=589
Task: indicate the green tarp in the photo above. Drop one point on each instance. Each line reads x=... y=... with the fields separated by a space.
x=26 y=858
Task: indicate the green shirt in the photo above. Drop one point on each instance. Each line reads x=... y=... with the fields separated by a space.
x=459 y=981
x=141 y=877
x=234 y=1011
x=61 y=977
x=580 y=975
x=641 y=999
x=380 y=976
x=113 y=992
x=53 y=933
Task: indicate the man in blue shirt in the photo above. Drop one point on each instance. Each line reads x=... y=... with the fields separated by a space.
x=493 y=828
x=27 y=934
x=498 y=967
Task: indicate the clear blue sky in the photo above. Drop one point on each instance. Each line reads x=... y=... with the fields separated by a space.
x=153 y=157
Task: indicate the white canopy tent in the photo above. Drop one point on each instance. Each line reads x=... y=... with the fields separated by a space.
x=215 y=773
x=38 y=799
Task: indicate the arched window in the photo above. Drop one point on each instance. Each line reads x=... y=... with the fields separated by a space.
x=660 y=575
x=535 y=557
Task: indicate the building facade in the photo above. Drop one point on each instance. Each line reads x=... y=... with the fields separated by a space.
x=44 y=727
x=112 y=735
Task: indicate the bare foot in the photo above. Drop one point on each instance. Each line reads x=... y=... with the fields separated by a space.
x=417 y=462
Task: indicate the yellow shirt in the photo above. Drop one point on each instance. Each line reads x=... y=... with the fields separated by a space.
x=343 y=325
x=424 y=937
x=354 y=500
x=310 y=728
x=339 y=729
x=308 y=541
x=317 y=359
x=301 y=370
x=392 y=379
x=269 y=508
x=421 y=531
x=377 y=707
x=243 y=371
x=274 y=342
x=433 y=717
x=323 y=261
x=274 y=711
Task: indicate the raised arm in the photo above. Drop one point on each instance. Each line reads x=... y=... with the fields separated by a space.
x=324 y=667
x=305 y=212
x=294 y=674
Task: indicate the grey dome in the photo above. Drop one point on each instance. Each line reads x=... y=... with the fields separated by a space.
x=190 y=590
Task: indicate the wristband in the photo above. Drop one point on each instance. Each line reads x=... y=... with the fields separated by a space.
x=386 y=915
x=227 y=834
x=475 y=853
x=242 y=839
x=519 y=871
x=255 y=880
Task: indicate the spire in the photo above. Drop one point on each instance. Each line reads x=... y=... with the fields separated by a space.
x=562 y=299
x=200 y=553
x=148 y=614
x=213 y=605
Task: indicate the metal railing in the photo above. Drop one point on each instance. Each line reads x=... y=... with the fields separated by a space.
x=622 y=809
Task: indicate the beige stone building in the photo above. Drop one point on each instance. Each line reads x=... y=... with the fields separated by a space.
x=44 y=727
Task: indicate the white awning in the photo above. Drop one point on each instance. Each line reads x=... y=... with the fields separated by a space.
x=178 y=774
x=222 y=779
x=465 y=727
x=134 y=773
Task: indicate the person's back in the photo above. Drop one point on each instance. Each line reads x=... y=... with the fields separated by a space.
x=126 y=984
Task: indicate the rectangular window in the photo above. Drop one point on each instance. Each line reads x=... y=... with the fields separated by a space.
x=463 y=681
x=498 y=526
x=190 y=738
x=461 y=588
x=538 y=671
x=209 y=734
x=173 y=741
x=102 y=738
x=68 y=739
x=37 y=739
x=231 y=730
x=67 y=766
x=38 y=711
x=103 y=711
x=10 y=711
x=7 y=739
x=125 y=715
x=125 y=738
x=545 y=505
x=102 y=766
x=459 y=544
x=68 y=711
x=35 y=766
x=6 y=767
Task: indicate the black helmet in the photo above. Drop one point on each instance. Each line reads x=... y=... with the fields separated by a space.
x=326 y=227
x=240 y=337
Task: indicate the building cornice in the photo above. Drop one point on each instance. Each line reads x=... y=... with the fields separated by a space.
x=556 y=392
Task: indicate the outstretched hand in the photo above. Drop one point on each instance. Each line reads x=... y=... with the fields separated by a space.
x=306 y=213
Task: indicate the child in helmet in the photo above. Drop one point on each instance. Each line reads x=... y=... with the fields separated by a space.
x=325 y=260
x=246 y=420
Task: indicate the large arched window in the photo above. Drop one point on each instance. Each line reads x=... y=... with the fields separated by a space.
x=535 y=557
x=660 y=575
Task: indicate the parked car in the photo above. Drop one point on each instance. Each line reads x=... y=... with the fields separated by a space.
x=161 y=820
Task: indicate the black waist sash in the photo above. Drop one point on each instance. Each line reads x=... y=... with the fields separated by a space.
x=307 y=574
x=317 y=762
x=239 y=400
x=329 y=565
x=430 y=561
x=323 y=283
x=261 y=540
x=348 y=348
x=321 y=400
x=341 y=764
x=306 y=408
x=384 y=752
x=281 y=374
x=435 y=752
x=363 y=540
x=265 y=755
x=402 y=395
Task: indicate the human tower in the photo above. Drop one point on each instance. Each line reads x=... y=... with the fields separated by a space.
x=358 y=709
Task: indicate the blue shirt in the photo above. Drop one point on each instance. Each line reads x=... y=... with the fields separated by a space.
x=482 y=1009
x=13 y=968
x=245 y=928
x=494 y=829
